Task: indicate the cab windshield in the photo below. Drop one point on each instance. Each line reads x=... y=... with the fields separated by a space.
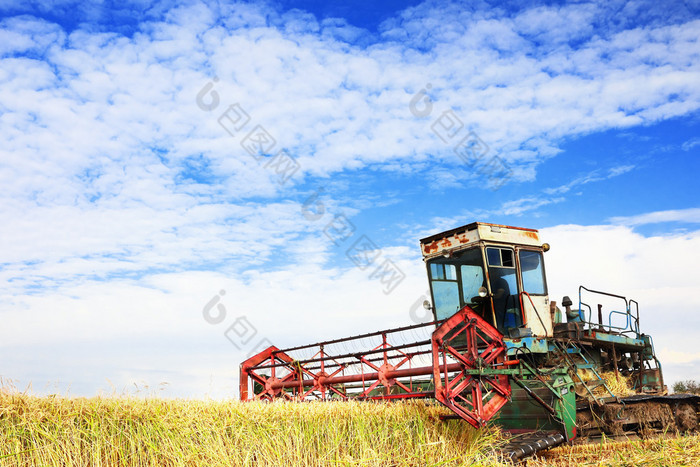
x=455 y=282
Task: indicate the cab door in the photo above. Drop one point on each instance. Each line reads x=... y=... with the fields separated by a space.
x=503 y=287
x=533 y=296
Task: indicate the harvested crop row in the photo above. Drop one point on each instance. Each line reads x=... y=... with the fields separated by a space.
x=663 y=451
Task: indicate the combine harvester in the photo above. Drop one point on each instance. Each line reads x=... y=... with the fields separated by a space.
x=497 y=351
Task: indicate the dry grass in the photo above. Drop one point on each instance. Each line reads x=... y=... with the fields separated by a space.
x=129 y=431
x=119 y=431
x=619 y=385
x=664 y=451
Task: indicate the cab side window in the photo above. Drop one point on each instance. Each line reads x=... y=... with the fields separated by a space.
x=443 y=278
x=532 y=268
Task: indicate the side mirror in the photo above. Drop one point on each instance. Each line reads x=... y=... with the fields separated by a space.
x=427 y=305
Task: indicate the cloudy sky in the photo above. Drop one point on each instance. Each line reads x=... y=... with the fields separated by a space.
x=185 y=182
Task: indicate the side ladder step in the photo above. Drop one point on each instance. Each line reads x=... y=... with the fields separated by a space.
x=588 y=365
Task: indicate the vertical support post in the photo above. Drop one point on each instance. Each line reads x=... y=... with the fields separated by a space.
x=641 y=370
x=614 y=355
x=493 y=313
x=384 y=346
x=600 y=316
x=323 y=369
x=243 y=382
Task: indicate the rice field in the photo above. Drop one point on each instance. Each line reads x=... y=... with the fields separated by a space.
x=49 y=431
x=663 y=451
x=131 y=431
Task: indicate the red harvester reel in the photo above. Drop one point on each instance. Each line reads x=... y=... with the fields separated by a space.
x=475 y=392
x=457 y=364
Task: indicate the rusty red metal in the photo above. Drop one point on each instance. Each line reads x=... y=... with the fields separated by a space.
x=453 y=363
x=469 y=339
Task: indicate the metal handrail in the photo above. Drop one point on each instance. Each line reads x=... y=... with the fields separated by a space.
x=636 y=315
x=631 y=319
x=627 y=320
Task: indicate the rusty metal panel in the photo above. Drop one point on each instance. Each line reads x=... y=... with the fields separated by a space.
x=449 y=242
x=467 y=235
x=509 y=234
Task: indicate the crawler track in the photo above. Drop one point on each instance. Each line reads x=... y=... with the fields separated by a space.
x=526 y=444
x=639 y=416
x=644 y=415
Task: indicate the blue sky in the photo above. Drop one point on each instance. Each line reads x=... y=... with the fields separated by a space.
x=130 y=198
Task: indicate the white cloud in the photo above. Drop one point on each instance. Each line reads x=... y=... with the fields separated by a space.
x=557 y=24
x=593 y=176
x=153 y=331
x=519 y=206
x=347 y=97
x=690 y=215
x=676 y=357
x=691 y=143
x=27 y=34
x=114 y=178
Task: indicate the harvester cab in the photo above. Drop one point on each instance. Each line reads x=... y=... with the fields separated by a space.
x=498 y=350
x=497 y=270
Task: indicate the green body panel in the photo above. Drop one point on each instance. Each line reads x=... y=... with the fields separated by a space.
x=524 y=413
x=652 y=381
x=648 y=352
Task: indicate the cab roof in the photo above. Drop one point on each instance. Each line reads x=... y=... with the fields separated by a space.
x=478 y=231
